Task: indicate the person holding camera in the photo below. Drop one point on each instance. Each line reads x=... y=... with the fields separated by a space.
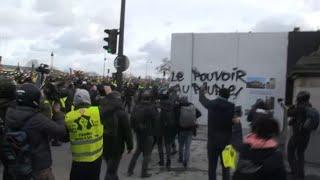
x=304 y=119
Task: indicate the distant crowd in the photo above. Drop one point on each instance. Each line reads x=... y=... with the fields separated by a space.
x=99 y=123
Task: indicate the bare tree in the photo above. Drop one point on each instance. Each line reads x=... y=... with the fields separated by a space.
x=165 y=66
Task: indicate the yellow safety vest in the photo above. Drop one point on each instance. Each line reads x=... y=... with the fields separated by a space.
x=86 y=134
x=63 y=102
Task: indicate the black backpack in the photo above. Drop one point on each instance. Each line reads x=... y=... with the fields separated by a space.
x=188 y=118
x=17 y=151
x=312 y=119
x=111 y=124
x=139 y=117
x=167 y=115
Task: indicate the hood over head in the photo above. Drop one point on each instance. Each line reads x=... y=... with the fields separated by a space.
x=17 y=117
x=113 y=101
x=81 y=96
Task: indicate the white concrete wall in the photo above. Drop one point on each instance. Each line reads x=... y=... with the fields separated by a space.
x=313 y=86
x=258 y=54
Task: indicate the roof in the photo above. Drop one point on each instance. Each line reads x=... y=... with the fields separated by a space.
x=307 y=66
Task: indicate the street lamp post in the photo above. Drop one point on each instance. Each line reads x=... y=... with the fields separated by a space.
x=51 y=63
x=104 y=67
x=148 y=61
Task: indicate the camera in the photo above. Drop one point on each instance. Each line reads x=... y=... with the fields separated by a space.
x=43 y=68
x=238 y=111
x=280 y=100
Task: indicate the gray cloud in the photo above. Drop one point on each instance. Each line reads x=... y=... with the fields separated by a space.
x=73 y=41
x=57 y=12
x=313 y=4
x=73 y=29
x=155 y=50
x=280 y=24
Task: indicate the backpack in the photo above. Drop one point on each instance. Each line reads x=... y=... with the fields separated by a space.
x=17 y=150
x=138 y=116
x=168 y=119
x=111 y=125
x=312 y=119
x=167 y=115
x=188 y=117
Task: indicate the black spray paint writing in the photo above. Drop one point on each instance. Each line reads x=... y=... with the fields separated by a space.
x=234 y=75
x=217 y=76
x=211 y=89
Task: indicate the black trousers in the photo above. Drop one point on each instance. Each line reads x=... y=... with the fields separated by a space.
x=165 y=141
x=213 y=156
x=86 y=170
x=144 y=146
x=296 y=148
x=112 y=167
x=7 y=175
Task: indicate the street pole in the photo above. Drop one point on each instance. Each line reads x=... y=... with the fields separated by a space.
x=146 y=69
x=121 y=41
x=104 y=67
x=51 y=63
x=121 y=33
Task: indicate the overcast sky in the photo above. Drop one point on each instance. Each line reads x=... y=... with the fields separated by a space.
x=73 y=29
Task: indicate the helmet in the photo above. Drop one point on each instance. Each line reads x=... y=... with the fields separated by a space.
x=7 y=88
x=28 y=95
x=303 y=96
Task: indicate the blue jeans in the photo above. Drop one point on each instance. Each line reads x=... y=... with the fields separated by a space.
x=185 y=138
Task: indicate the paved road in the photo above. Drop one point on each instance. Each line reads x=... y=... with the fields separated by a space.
x=196 y=171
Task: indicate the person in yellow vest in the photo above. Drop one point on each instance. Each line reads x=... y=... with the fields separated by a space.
x=86 y=138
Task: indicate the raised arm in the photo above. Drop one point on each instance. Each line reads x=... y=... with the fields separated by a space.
x=203 y=99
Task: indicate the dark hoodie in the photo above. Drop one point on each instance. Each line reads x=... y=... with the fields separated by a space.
x=260 y=160
x=220 y=115
x=144 y=118
x=114 y=116
x=167 y=117
x=39 y=128
x=4 y=105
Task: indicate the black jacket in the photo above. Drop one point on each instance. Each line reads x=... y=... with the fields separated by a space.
x=39 y=128
x=4 y=105
x=268 y=163
x=167 y=117
x=298 y=115
x=115 y=145
x=220 y=115
x=144 y=118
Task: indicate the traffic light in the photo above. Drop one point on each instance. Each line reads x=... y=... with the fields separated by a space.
x=112 y=41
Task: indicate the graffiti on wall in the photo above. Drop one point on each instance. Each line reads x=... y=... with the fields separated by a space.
x=216 y=79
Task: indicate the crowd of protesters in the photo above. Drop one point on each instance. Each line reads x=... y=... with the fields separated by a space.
x=99 y=122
